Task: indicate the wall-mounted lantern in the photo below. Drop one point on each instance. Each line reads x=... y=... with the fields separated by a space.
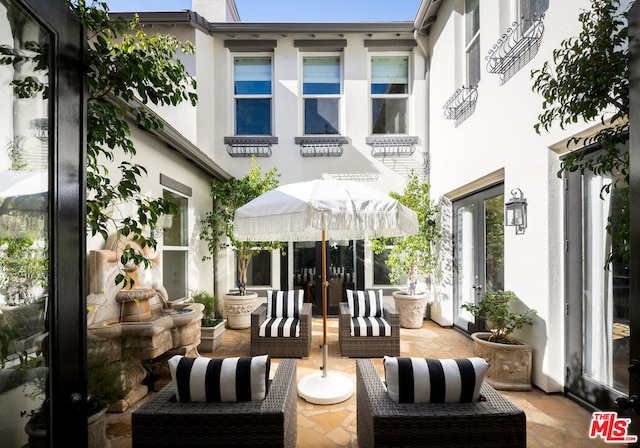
x=164 y=224
x=515 y=211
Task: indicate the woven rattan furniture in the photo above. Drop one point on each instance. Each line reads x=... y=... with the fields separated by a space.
x=277 y=347
x=492 y=423
x=368 y=346
x=163 y=422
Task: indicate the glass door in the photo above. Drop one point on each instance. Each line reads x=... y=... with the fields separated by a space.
x=598 y=317
x=307 y=272
x=478 y=250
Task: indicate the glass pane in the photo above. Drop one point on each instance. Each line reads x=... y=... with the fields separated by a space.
x=177 y=235
x=381 y=271
x=174 y=273
x=605 y=290
x=389 y=115
x=389 y=75
x=340 y=271
x=472 y=19
x=473 y=63
x=252 y=76
x=24 y=233
x=253 y=117
x=321 y=75
x=465 y=256
x=321 y=115
x=494 y=242
x=259 y=270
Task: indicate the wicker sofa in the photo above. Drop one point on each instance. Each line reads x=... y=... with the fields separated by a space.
x=281 y=347
x=492 y=423
x=368 y=346
x=272 y=422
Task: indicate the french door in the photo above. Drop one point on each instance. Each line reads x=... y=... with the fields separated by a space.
x=478 y=245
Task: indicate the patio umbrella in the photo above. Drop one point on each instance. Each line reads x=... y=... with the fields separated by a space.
x=307 y=211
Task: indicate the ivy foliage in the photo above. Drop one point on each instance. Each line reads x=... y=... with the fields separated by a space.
x=415 y=255
x=123 y=64
x=228 y=196
x=589 y=81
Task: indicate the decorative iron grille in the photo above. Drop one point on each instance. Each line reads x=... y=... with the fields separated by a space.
x=461 y=104
x=250 y=146
x=392 y=146
x=321 y=146
x=514 y=50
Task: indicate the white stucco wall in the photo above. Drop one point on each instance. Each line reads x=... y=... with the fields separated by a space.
x=498 y=142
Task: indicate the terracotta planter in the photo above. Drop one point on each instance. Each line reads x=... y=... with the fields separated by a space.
x=238 y=309
x=509 y=364
x=211 y=338
x=411 y=308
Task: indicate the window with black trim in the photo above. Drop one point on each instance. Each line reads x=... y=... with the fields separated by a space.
x=253 y=95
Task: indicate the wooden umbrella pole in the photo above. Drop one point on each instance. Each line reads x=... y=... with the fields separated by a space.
x=324 y=306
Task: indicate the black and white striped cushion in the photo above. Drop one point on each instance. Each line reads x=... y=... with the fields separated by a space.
x=370 y=326
x=221 y=379
x=418 y=380
x=282 y=327
x=365 y=303
x=284 y=303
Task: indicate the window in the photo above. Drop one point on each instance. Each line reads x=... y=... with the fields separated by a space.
x=252 y=88
x=381 y=270
x=528 y=11
x=472 y=41
x=176 y=249
x=321 y=94
x=389 y=93
x=259 y=270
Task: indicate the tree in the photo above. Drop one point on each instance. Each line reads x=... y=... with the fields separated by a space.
x=414 y=255
x=229 y=195
x=590 y=81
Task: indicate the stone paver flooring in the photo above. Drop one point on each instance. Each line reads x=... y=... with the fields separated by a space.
x=552 y=419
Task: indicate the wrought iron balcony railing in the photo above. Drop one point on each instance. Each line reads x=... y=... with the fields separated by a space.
x=259 y=146
x=321 y=145
x=514 y=49
x=461 y=104
x=392 y=146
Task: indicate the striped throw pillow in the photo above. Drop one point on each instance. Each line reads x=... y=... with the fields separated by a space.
x=284 y=303
x=418 y=380
x=365 y=303
x=220 y=379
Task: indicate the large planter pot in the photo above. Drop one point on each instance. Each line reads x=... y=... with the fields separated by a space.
x=411 y=308
x=509 y=364
x=211 y=338
x=238 y=309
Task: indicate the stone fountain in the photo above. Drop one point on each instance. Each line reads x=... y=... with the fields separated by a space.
x=138 y=325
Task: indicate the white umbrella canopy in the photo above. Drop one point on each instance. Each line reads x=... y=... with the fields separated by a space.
x=307 y=211
x=345 y=209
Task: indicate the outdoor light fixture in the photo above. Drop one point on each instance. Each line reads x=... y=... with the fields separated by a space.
x=164 y=224
x=515 y=211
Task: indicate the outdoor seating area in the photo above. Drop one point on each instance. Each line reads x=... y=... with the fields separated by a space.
x=552 y=420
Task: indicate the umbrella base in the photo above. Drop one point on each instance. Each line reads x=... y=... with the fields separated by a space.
x=330 y=389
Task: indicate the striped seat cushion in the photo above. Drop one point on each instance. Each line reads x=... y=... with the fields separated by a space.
x=284 y=303
x=370 y=326
x=365 y=303
x=220 y=379
x=418 y=380
x=287 y=327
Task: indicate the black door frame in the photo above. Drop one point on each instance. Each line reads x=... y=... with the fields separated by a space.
x=67 y=277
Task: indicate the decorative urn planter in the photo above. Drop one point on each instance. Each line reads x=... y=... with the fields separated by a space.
x=135 y=303
x=411 y=308
x=238 y=309
x=211 y=337
x=509 y=364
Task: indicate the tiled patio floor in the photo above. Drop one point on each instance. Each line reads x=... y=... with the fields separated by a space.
x=552 y=420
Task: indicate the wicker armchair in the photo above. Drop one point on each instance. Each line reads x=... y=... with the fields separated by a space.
x=281 y=347
x=272 y=422
x=368 y=346
x=492 y=423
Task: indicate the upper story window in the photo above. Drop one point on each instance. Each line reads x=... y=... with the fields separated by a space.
x=321 y=88
x=252 y=88
x=389 y=94
x=175 y=251
x=472 y=41
x=528 y=11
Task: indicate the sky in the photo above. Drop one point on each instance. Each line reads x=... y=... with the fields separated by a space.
x=293 y=10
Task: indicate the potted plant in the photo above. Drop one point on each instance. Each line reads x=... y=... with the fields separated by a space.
x=218 y=232
x=212 y=325
x=412 y=257
x=509 y=359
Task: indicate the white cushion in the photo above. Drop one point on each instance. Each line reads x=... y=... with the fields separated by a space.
x=220 y=379
x=284 y=303
x=365 y=303
x=418 y=380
